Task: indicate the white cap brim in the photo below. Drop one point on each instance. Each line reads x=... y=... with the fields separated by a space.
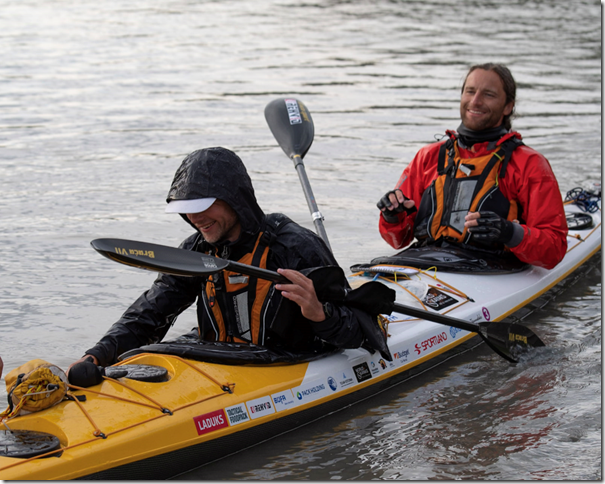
x=189 y=206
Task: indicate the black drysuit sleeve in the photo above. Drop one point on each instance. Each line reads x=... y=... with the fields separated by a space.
x=150 y=317
x=298 y=248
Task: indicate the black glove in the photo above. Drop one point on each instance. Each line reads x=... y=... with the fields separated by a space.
x=87 y=374
x=492 y=228
x=391 y=215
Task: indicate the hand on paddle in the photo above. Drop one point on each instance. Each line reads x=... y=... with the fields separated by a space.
x=394 y=202
x=302 y=292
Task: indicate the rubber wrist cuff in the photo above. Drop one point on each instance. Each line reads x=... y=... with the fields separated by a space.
x=517 y=237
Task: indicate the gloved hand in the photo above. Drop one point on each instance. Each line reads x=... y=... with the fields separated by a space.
x=86 y=374
x=491 y=227
x=389 y=210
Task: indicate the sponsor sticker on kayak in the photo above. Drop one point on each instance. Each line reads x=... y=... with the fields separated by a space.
x=429 y=343
x=311 y=391
x=438 y=300
x=284 y=400
x=401 y=357
x=362 y=372
x=237 y=414
x=375 y=367
x=260 y=407
x=346 y=379
x=476 y=317
x=209 y=422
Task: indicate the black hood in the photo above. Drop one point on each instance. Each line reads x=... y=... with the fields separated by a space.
x=219 y=173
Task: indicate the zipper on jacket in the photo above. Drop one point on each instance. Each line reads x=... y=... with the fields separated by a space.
x=210 y=314
x=479 y=207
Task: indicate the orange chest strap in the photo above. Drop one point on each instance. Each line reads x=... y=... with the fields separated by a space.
x=462 y=186
x=236 y=300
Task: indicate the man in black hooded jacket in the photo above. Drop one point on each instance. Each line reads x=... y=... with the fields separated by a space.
x=213 y=192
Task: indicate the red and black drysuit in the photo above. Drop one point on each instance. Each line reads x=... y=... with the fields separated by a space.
x=271 y=241
x=528 y=183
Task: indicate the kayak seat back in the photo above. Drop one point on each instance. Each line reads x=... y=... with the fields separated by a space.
x=450 y=258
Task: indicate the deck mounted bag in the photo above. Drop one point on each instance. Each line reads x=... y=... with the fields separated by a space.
x=34 y=386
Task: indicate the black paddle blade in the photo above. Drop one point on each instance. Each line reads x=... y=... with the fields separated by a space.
x=509 y=340
x=291 y=125
x=159 y=258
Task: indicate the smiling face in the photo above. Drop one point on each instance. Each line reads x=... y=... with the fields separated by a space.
x=483 y=102
x=217 y=224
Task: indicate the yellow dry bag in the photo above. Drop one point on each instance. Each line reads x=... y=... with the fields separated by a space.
x=34 y=386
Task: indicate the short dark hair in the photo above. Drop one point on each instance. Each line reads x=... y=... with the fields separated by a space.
x=508 y=82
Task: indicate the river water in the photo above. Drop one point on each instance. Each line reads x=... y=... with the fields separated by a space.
x=102 y=100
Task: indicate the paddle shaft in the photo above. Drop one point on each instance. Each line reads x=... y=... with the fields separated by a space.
x=306 y=186
x=401 y=308
x=436 y=318
x=257 y=272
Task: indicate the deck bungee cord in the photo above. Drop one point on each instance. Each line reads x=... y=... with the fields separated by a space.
x=389 y=274
x=225 y=387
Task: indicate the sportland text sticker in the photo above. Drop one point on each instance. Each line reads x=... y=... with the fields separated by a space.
x=260 y=407
x=209 y=422
x=429 y=343
x=237 y=414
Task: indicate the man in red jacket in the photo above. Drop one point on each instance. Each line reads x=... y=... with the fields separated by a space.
x=481 y=187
